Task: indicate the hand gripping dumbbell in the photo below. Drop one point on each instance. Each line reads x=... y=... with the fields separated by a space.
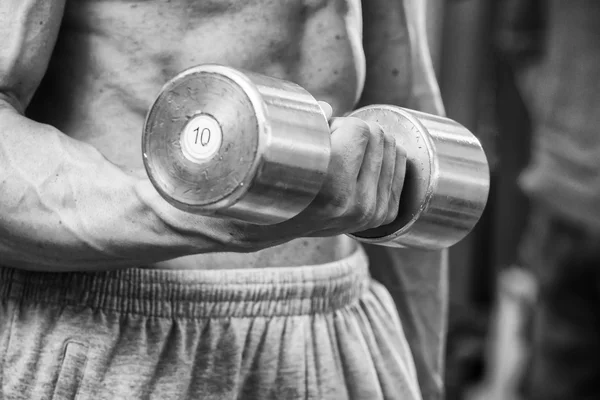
x=224 y=142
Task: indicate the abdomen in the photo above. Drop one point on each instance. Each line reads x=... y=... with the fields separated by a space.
x=113 y=57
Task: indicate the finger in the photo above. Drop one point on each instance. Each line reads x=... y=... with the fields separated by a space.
x=397 y=183
x=371 y=165
x=327 y=109
x=386 y=179
x=368 y=179
x=349 y=140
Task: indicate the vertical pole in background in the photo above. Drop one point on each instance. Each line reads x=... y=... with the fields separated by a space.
x=465 y=61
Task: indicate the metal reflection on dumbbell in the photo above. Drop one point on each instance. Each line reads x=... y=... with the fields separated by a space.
x=446 y=184
x=237 y=144
x=218 y=141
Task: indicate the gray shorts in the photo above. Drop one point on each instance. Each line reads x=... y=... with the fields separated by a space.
x=317 y=332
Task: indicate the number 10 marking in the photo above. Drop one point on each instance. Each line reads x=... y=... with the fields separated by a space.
x=204 y=136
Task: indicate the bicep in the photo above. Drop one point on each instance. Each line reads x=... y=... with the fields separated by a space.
x=387 y=47
x=28 y=29
x=399 y=67
x=425 y=90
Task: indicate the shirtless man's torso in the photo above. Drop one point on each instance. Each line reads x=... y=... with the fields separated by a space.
x=107 y=291
x=112 y=58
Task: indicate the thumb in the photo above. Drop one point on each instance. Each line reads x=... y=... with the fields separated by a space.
x=327 y=109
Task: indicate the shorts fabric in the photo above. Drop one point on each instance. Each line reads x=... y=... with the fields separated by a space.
x=314 y=332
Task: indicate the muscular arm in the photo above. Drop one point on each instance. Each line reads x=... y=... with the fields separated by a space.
x=63 y=206
x=399 y=72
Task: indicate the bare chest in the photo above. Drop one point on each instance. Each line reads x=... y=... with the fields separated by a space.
x=113 y=57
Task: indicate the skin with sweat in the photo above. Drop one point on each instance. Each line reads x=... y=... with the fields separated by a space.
x=111 y=59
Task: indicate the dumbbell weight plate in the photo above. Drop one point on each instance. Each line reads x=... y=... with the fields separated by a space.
x=225 y=142
x=446 y=184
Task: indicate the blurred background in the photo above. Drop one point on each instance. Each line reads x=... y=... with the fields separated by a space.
x=523 y=75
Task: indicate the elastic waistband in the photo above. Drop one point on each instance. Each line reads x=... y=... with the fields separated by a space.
x=197 y=293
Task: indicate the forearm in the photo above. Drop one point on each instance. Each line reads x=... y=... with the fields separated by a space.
x=65 y=207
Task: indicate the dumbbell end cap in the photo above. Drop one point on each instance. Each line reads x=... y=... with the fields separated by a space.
x=230 y=143
x=446 y=184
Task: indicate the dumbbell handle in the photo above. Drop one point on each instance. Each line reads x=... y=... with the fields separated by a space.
x=231 y=143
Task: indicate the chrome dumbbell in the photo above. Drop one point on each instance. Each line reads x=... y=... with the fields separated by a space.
x=224 y=142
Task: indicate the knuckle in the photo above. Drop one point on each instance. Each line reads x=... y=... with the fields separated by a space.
x=377 y=132
x=392 y=215
x=352 y=134
x=381 y=216
x=400 y=151
x=337 y=200
x=362 y=132
x=367 y=212
x=358 y=123
x=362 y=220
x=358 y=127
x=340 y=203
x=390 y=140
x=351 y=125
